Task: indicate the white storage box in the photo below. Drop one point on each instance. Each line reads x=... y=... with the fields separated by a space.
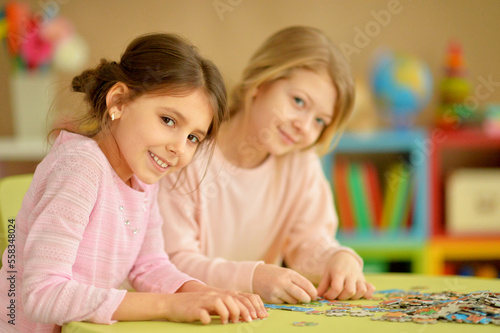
x=473 y=202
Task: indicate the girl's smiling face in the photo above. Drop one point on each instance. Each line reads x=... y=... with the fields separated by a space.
x=290 y=114
x=156 y=135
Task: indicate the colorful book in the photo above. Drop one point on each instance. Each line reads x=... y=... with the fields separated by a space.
x=374 y=192
x=342 y=195
x=402 y=199
x=397 y=197
x=359 y=199
x=390 y=194
x=408 y=217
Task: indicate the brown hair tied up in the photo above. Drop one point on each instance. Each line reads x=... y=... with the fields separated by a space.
x=151 y=64
x=92 y=82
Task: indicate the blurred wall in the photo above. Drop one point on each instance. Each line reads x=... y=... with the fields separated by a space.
x=228 y=31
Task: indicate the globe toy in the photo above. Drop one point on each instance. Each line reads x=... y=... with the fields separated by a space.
x=402 y=87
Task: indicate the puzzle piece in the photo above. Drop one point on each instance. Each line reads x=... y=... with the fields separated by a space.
x=315 y=312
x=424 y=319
x=304 y=323
x=361 y=313
x=286 y=307
x=336 y=314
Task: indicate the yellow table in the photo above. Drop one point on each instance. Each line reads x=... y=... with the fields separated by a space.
x=282 y=321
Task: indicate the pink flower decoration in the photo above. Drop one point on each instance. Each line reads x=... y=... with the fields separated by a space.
x=57 y=30
x=35 y=50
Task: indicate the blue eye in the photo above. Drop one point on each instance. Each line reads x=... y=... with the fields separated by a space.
x=193 y=138
x=168 y=121
x=299 y=101
x=321 y=122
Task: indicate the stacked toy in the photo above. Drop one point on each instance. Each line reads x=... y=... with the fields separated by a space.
x=492 y=119
x=454 y=89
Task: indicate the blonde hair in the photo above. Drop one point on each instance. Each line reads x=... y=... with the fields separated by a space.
x=299 y=47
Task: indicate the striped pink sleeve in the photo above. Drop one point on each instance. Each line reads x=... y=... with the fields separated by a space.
x=64 y=201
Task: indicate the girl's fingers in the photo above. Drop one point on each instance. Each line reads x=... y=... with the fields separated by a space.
x=262 y=311
x=370 y=290
x=244 y=311
x=259 y=310
x=222 y=310
x=248 y=304
x=306 y=287
x=336 y=287
x=349 y=289
x=204 y=317
x=286 y=297
x=299 y=295
x=234 y=307
x=324 y=284
x=360 y=290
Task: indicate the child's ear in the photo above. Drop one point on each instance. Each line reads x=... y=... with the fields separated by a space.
x=254 y=92
x=114 y=99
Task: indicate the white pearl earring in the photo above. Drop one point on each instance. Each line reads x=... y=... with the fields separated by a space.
x=113 y=116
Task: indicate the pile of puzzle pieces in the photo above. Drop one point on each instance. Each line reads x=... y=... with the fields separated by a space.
x=481 y=307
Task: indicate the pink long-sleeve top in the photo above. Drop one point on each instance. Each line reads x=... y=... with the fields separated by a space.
x=236 y=218
x=73 y=248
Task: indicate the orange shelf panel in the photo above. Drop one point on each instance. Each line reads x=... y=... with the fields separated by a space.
x=442 y=249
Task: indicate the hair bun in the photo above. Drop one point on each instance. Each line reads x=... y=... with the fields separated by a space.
x=81 y=82
x=87 y=80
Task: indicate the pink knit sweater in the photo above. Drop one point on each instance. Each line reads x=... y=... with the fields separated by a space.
x=73 y=248
x=236 y=218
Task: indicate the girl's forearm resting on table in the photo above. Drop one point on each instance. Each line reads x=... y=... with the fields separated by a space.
x=142 y=306
x=192 y=301
x=150 y=306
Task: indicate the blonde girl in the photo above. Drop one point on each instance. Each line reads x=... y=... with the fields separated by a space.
x=265 y=200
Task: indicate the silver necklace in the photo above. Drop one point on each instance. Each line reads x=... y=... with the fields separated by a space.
x=121 y=208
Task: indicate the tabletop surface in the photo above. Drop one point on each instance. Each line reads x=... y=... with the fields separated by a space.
x=282 y=321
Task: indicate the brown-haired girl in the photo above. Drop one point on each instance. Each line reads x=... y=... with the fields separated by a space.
x=90 y=218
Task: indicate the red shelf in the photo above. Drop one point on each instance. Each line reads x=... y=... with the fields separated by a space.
x=451 y=150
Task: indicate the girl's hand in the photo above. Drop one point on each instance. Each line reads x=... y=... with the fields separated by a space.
x=282 y=285
x=250 y=305
x=252 y=302
x=192 y=306
x=344 y=279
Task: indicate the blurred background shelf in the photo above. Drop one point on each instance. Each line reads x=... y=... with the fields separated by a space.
x=381 y=244
x=474 y=251
x=451 y=151
x=425 y=243
x=21 y=156
x=12 y=149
